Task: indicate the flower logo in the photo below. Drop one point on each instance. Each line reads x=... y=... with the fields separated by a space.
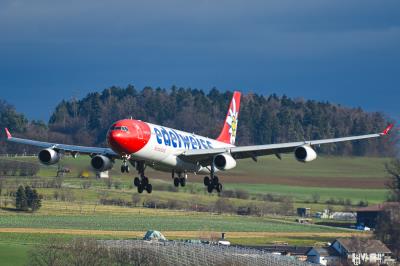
x=232 y=121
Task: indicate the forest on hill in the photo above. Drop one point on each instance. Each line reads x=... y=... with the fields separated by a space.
x=262 y=119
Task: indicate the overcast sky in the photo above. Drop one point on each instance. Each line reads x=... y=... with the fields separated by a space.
x=346 y=52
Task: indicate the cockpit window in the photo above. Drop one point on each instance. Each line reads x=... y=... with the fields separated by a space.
x=119 y=128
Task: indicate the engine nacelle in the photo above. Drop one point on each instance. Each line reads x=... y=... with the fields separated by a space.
x=305 y=154
x=224 y=161
x=49 y=156
x=101 y=163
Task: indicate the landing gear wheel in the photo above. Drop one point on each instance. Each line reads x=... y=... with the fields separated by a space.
x=219 y=188
x=206 y=181
x=145 y=181
x=136 y=182
x=215 y=181
x=122 y=168
x=127 y=168
x=149 y=188
x=176 y=182
x=140 y=188
x=210 y=188
x=182 y=181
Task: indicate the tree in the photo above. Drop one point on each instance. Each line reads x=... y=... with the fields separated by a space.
x=2 y=185
x=388 y=225
x=315 y=197
x=136 y=198
x=393 y=184
x=36 y=201
x=388 y=228
x=29 y=196
x=21 y=202
x=26 y=198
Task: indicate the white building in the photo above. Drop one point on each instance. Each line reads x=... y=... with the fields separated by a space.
x=361 y=251
x=324 y=256
x=355 y=251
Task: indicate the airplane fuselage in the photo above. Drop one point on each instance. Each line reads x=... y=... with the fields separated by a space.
x=158 y=146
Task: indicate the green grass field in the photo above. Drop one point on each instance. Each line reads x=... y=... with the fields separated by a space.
x=177 y=222
x=301 y=194
x=350 y=178
x=322 y=167
x=354 y=178
x=13 y=254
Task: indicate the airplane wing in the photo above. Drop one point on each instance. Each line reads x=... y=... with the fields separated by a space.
x=73 y=149
x=205 y=156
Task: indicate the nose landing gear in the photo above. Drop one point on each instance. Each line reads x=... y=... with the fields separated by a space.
x=125 y=166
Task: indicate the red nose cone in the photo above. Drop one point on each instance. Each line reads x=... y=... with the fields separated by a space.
x=128 y=136
x=116 y=140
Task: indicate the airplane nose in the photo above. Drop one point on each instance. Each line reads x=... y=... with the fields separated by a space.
x=114 y=138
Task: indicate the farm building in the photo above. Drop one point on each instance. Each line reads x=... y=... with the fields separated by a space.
x=355 y=251
x=368 y=216
x=323 y=256
x=304 y=212
x=362 y=251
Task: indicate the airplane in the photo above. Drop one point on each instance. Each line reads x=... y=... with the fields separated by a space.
x=143 y=144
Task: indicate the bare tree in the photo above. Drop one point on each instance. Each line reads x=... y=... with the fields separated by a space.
x=393 y=184
x=51 y=254
x=136 y=199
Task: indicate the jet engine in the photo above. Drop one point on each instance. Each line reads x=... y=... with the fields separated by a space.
x=101 y=163
x=48 y=156
x=305 y=154
x=224 y=161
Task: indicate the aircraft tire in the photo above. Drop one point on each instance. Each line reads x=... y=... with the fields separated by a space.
x=122 y=168
x=136 y=182
x=219 y=188
x=215 y=181
x=149 y=188
x=176 y=182
x=210 y=188
x=127 y=168
x=206 y=181
x=182 y=181
x=140 y=188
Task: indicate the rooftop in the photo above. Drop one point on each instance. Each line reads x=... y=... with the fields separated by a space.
x=379 y=207
x=327 y=251
x=355 y=245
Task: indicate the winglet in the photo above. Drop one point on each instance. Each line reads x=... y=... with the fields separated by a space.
x=387 y=129
x=8 y=134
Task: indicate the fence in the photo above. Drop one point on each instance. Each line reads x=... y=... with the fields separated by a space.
x=180 y=253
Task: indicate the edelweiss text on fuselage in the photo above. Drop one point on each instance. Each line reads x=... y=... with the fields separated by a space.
x=173 y=139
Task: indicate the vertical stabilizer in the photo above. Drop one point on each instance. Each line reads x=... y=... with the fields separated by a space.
x=228 y=133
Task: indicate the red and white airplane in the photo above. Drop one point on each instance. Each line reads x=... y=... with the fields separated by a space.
x=144 y=144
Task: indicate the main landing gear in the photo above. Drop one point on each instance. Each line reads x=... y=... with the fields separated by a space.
x=179 y=180
x=212 y=182
x=142 y=182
